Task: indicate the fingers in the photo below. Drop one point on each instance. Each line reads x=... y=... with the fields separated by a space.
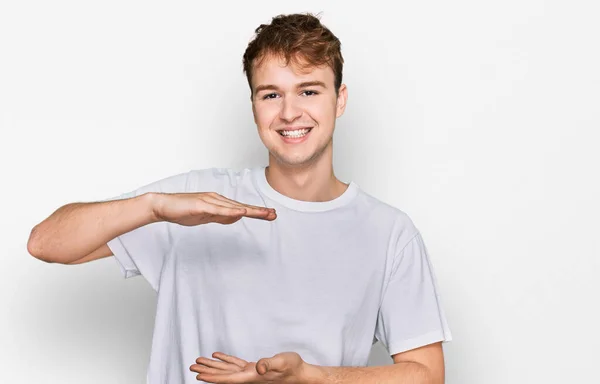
x=235 y=212
x=234 y=202
x=215 y=364
x=225 y=364
x=217 y=207
x=220 y=203
x=230 y=359
x=228 y=207
x=198 y=368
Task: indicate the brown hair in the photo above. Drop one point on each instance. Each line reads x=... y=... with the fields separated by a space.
x=297 y=37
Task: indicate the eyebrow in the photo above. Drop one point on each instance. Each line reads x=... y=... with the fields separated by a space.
x=315 y=83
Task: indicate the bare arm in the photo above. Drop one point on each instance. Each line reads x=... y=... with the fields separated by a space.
x=78 y=232
x=81 y=230
x=424 y=365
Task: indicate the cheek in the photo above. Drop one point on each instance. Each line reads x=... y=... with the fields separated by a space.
x=265 y=115
x=322 y=113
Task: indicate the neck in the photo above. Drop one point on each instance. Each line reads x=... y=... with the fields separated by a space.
x=311 y=182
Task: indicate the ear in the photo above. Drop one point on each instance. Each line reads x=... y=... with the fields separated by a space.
x=341 y=100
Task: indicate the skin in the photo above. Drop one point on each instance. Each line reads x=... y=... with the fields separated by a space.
x=285 y=367
x=301 y=171
x=304 y=171
x=420 y=365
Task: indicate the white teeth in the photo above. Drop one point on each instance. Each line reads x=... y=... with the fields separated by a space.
x=296 y=133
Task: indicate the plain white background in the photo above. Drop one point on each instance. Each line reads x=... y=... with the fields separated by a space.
x=478 y=119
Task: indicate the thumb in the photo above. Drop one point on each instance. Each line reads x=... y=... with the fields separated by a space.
x=264 y=365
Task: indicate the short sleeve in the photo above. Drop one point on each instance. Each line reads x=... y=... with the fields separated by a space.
x=143 y=250
x=411 y=314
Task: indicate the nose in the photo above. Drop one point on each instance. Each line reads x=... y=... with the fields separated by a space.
x=289 y=110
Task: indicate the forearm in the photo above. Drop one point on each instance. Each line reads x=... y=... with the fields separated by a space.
x=77 y=229
x=399 y=373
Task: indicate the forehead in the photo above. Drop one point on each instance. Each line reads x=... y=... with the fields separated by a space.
x=273 y=70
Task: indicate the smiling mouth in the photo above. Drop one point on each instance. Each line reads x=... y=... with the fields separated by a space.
x=295 y=133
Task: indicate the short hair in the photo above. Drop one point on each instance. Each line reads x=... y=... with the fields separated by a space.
x=298 y=37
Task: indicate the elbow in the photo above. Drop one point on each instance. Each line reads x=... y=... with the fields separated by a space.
x=34 y=246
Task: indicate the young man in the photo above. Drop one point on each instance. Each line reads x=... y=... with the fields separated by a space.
x=281 y=274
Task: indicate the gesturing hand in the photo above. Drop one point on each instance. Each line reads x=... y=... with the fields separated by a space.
x=204 y=207
x=286 y=367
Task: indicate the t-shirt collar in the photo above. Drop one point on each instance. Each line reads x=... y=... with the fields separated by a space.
x=263 y=185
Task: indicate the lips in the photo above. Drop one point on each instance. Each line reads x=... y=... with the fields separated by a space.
x=293 y=129
x=293 y=139
x=296 y=129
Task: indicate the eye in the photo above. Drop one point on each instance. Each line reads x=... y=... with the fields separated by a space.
x=310 y=93
x=268 y=96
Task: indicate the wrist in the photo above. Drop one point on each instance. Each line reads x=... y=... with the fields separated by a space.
x=313 y=374
x=154 y=202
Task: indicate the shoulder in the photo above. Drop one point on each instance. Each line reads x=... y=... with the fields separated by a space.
x=387 y=212
x=401 y=226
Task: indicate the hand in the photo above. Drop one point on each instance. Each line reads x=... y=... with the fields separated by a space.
x=286 y=367
x=204 y=207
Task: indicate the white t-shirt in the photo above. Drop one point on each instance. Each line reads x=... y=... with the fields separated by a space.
x=324 y=279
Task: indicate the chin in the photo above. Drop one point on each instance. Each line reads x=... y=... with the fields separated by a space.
x=294 y=161
x=300 y=158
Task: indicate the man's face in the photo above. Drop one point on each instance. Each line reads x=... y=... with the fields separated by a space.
x=284 y=99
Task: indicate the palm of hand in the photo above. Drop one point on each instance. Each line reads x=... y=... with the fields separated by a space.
x=286 y=368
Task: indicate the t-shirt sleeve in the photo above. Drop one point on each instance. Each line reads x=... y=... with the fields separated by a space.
x=144 y=250
x=411 y=314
